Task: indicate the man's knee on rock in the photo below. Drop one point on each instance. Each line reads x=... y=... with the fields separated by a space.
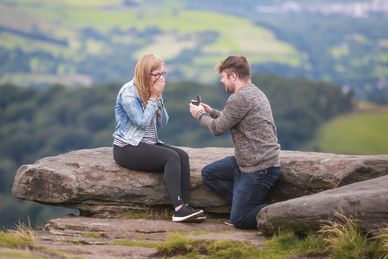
x=240 y=222
x=206 y=174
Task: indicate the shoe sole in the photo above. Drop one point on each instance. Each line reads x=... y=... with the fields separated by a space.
x=228 y=224
x=197 y=220
x=189 y=217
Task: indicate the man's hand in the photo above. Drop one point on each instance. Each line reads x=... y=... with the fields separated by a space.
x=194 y=109
x=207 y=108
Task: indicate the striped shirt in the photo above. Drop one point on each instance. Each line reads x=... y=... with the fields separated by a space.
x=119 y=143
x=150 y=136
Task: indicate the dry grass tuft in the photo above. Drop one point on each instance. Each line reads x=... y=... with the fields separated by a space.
x=345 y=239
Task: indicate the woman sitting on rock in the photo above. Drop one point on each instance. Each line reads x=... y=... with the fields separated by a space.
x=139 y=109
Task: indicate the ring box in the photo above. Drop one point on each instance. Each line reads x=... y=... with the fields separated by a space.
x=198 y=101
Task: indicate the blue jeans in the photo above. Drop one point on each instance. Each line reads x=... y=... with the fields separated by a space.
x=245 y=191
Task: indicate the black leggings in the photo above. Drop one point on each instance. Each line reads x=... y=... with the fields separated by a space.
x=159 y=157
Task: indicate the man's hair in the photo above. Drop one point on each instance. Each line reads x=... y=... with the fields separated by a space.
x=235 y=64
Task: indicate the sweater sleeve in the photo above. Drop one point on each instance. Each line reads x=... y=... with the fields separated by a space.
x=215 y=113
x=235 y=109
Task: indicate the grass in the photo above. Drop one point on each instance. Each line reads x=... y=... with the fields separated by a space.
x=163 y=45
x=21 y=237
x=176 y=30
x=12 y=41
x=13 y=240
x=180 y=245
x=147 y=213
x=380 y=70
x=12 y=253
x=338 y=52
x=258 y=41
x=25 y=231
x=52 y=252
x=18 y=243
x=136 y=243
x=361 y=132
x=93 y=3
x=288 y=244
x=280 y=246
x=345 y=239
x=21 y=79
x=93 y=234
x=342 y=238
x=381 y=238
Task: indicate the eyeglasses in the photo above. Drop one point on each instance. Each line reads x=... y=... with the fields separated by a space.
x=158 y=75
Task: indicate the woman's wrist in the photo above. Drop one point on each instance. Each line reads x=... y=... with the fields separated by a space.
x=154 y=97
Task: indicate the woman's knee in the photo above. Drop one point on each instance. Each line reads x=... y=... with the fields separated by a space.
x=172 y=156
x=183 y=155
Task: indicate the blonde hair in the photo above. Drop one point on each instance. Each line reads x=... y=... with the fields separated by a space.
x=143 y=78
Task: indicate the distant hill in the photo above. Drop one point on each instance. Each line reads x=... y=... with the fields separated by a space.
x=361 y=132
x=81 y=43
x=94 y=41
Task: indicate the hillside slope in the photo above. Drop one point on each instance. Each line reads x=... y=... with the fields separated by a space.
x=89 y=42
x=361 y=132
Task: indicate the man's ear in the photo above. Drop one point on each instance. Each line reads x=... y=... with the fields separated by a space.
x=233 y=76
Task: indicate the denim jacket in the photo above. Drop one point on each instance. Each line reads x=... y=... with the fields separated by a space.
x=132 y=118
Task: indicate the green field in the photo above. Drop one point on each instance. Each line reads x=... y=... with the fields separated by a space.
x=362 y=132
x=98 y=41
x=166 y=28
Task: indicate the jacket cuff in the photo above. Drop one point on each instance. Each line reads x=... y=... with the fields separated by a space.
x=160 y=102
x=153 y=102
x=199 y=115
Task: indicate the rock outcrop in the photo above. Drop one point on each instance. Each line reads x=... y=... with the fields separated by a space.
x=365 y=201
x=92 y=182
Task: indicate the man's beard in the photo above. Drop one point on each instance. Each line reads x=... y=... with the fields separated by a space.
x=230 y=89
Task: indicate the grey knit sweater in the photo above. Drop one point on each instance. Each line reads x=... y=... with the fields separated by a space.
x=248 y=115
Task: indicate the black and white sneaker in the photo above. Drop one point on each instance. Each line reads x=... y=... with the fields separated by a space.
x=198 y=219
x=186 y=213
x=228 y=223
